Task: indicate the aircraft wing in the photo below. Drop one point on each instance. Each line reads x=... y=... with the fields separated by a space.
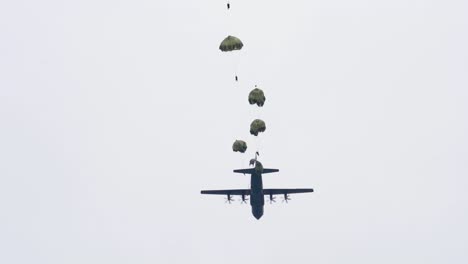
x=285 y=191
x=227 y=192
x=252 y=171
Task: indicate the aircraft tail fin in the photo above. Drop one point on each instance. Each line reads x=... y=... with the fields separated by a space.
x=252 y=171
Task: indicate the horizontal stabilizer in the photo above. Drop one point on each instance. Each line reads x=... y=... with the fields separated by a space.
x=253 y=171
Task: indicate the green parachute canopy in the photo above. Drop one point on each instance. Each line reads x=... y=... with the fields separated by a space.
x=231 y=43
x=257 y=126
x=239 y=146
x=258 y=166
x=256 y=96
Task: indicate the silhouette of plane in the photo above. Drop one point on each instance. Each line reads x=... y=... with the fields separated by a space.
x=256 y=191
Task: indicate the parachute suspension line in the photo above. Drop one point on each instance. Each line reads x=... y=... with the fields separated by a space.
x=230 y=18
x=231 y=29
x=259 y=116
x=232 y=45
x=241 y=162
x=237 y=58
x=236 y=67
x=259 y=110
x=233 y=67
x=257 y=98
x=259 y=144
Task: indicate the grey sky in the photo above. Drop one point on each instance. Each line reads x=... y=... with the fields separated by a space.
x=114 y=114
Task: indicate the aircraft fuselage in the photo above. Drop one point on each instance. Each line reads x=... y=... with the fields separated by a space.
x=257 y=200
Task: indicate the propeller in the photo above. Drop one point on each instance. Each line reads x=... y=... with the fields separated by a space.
x=229 y=199
x=272 y=199
x=243 y=199
x=286 y=198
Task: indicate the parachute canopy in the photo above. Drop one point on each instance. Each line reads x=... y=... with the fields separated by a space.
x=257 y=126
x=256 y=96
x=258 y=166
x=231 y=43
x=239 y=146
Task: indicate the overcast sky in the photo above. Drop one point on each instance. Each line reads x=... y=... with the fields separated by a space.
x=115 y=114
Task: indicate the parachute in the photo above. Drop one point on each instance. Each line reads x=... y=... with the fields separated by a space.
x=258 y=166
x=256 y=96
x=231 y=43
x=239 y=146
x=257 y=126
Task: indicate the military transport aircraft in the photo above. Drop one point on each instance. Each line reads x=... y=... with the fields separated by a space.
x=256 y=191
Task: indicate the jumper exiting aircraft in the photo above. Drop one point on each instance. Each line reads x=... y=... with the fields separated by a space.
x=256 y=191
